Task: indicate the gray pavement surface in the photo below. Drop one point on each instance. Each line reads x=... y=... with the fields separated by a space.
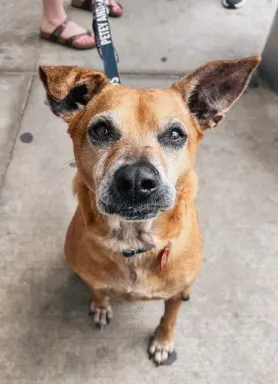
x=228 y=333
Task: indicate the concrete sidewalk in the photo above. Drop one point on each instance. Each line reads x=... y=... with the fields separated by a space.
x=228 y=333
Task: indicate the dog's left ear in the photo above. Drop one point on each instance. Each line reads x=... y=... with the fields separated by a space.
x=69 y=89
x=212 y=89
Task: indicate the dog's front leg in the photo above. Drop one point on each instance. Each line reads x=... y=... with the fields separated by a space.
x=100 y=308
x=162 y=343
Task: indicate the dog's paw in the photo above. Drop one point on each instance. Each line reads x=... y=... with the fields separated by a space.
x=101 y=315
x=162 y=353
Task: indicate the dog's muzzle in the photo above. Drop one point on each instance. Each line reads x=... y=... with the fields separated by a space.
x=137 y=192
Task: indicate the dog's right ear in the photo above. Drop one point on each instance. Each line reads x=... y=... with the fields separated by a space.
x=69 y=89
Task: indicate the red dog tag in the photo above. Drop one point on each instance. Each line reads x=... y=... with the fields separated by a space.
x=164 y=256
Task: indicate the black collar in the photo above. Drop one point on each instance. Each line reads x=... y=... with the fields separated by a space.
x=132 y=252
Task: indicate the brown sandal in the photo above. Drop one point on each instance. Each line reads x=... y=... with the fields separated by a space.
x=55 y=37
x=87 y=6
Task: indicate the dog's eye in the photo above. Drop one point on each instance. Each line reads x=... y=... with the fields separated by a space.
x=102 y=131
x=174 y=137
x=176 y=134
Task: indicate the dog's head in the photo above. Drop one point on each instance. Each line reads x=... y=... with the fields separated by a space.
x=134 y=147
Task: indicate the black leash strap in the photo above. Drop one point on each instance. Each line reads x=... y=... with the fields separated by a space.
x=104 y=42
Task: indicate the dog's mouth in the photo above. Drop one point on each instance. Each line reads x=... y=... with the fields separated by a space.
x=133 y=213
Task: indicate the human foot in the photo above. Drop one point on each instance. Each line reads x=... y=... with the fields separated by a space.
x=67 y=33
x=115 y=9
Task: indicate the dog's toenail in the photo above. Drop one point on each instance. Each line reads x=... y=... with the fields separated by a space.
x=172 y=357
x=186 y=298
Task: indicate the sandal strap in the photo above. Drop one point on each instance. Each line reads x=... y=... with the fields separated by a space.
x=56 y=34
x=71 y=39
x=87 y=5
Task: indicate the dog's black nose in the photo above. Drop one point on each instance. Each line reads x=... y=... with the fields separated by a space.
x=137 y=182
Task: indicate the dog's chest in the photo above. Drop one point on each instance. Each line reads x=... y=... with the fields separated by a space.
x=139 y=276
x=143 y=285
x=142 y=281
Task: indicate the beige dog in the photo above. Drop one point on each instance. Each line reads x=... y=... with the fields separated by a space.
x=135 y=233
